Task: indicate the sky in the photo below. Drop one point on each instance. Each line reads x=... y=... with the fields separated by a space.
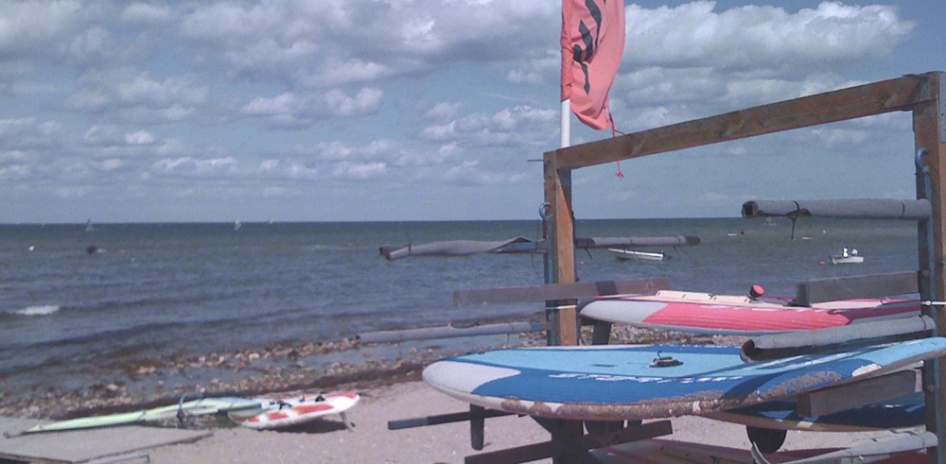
x=403 y=110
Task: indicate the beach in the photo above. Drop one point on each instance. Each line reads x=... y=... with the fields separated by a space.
x=166 y=310
x=371 y=442
x=163 y=310
x=400 y=395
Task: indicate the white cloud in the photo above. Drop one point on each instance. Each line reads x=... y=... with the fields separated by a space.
x=693 y=60
x=139 y=98
x=469 y=173
x=335 y=151
x=324 y=44
x=147 y=13
x=143 y=90
x=33 y=29
x=13 y=156
x=102 y=135
x=89 y=46
x=141 y=137
x=359 y=171
x=287 y=169
x=110 y=164
x=520 y=125
x=291 y=111
x=760 y=38
x=29 y=133
x=195 y=168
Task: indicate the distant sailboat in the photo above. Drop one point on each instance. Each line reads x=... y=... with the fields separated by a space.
x=237 y=225
x=88 y=225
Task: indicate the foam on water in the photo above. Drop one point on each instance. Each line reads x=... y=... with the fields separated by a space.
x=39 y=310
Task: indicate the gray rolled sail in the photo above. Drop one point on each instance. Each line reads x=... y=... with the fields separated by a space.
x=623 y=242
x=916 y=210
x=834 y=339
x=461 y=248
x=525 y=245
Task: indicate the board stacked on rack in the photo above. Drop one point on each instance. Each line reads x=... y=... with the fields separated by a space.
x=647 y=382
x=730 y=314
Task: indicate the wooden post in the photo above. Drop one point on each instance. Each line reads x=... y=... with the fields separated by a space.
x=560 y=269
x=929 y=128
x=560 y=260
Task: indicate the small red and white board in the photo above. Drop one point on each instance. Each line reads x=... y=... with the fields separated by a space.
x=279 y=413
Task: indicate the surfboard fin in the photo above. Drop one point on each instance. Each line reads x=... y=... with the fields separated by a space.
x=757 y=456
x=348 y=424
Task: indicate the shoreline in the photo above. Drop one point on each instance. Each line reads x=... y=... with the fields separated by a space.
x=283 y=369
x=278 y=368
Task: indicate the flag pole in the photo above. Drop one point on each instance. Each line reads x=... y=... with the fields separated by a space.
x=566 y=123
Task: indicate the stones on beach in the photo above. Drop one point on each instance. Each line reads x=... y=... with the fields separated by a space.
x=292 y=366
x=146 y=370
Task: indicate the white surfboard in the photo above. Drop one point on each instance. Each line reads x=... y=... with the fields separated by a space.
x=280 y=413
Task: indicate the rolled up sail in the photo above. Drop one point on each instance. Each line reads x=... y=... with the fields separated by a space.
x=916 y=210
x=617 y=242
x=525 y=245
x=461 y=248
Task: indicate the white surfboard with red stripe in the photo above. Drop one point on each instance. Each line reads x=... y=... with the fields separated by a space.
x=287 y=412
x=725 y=314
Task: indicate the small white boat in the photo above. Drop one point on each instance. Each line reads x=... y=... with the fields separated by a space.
x=847 y=257
x=626 y=255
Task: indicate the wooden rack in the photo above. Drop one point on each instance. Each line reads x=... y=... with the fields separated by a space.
x=924 y=95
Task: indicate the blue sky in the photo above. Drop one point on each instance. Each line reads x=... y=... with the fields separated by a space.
x=388 y=110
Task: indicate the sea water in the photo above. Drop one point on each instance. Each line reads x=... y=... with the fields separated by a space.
x=74 y=301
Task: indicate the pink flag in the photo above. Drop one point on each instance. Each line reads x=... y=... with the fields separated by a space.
x=592 y=47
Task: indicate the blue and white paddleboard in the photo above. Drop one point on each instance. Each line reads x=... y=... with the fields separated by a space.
x=635 y=382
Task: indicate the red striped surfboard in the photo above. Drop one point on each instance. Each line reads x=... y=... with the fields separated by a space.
x=279 y=413
x=739 y=315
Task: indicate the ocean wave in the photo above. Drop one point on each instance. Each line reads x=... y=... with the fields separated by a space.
x=39 y=310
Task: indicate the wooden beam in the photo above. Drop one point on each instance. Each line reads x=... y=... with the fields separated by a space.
x=856 y=395
x=899 y=94
x=564 y=445
x=846 y=288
